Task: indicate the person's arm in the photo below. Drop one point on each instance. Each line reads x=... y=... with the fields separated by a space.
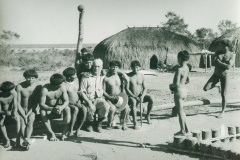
x=105 y=94
x=15 y=108
x=176 y=79
x=65 y=99
x=144 y=89
x=43 y=98
x=225 y=65
x=20 y=109
x=36 y=96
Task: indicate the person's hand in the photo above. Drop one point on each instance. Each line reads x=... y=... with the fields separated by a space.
x=91 y=108
x=56 y=110
x=79 y=105
x=25 y=119
x=8 y=113
x=14 y=115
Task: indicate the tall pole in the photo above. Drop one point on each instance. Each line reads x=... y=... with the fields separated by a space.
x=80 y=36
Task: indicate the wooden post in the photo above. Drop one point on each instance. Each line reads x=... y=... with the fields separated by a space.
x=210 y=61
x=191 y=143
x=179 y=142
x=206 y=63
x=206 y=134
x=80 y=34
x=198 y=135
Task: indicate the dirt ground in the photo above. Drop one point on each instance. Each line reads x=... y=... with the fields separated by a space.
x=118 y=144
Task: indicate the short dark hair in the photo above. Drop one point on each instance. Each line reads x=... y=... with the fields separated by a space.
x=7 y=86
x=30 y=73
x=57 y=79
x=68 y=72
x=83 y=50
x=115 y=63
x=184 y=55
x=135 y=63
x=226 y=43
x=87 y=57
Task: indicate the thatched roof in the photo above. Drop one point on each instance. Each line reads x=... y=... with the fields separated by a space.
x=232 y=36
x=142 y=43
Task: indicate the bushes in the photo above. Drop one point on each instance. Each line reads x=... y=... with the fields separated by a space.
x=45 y=60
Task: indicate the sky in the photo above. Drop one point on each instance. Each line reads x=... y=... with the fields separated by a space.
x=56 y=21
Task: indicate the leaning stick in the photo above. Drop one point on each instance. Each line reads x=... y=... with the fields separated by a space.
x=141 y=112
x=80 y=34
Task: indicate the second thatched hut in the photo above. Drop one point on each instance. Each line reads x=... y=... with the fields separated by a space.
x=149 y=45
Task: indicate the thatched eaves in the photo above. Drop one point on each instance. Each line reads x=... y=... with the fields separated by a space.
x=142 y=43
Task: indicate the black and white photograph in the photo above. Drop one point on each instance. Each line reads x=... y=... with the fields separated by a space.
x=119 y=80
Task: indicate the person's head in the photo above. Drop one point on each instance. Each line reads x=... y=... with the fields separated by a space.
x=30 y=75
x=225 y=45
x=57 y=79
x=135 y=66
x=84 y=51
x=97 y=66
x=183 y=56
x=7 y=86
x=114 y=66
x=88 y=60
x=70 y=74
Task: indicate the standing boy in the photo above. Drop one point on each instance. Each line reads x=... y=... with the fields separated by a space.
x=91 y=88
x=78 y=111
x=8 y=107
x=137 y=92
x=179 y=89
x=113 y=84
x=28 y=98
x=223 y=60
x=53 y=101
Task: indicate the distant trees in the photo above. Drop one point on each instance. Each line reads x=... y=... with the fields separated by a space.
x=204 y=36
x=176 y=24
x=225 y=26
x=4 y=38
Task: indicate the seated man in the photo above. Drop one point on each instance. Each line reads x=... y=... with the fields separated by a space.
x=28 y=93
x=92 y=93
x=137 y=92
x=53 y=101
x=8 y=107
x=78 y=111
x=113 y=84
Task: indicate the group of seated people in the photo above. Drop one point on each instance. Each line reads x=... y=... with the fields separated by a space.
x=86 y=94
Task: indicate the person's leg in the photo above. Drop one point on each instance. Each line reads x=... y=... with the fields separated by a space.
x=148 y=99
x=18 y=130
x=23 y=127
x=29 y=127
x=4 y=131
x=47 y=123
x=224 y=84
x=102 y=108
x=181 y=115
x=211 y=83
x=123 y=117
x=133 y=106
x=82 y=117
x=66 y=121
x=89 y=119
x=74 y=113
x=111 y=114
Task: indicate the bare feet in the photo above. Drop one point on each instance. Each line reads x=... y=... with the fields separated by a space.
x=221 y=115
x=64 y=137
x=136 y=127
x=180 y=133
x=7 y=144
x=53 y=138
x=124 y=127
x=109 y=127
x=78 y=133
x=147 y=117
x=26 y=142
x=71 y=134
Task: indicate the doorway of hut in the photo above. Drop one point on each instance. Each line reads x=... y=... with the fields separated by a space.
x=153 y=62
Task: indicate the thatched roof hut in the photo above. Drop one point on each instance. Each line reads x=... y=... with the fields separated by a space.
x=148 y=45
x=232 y=36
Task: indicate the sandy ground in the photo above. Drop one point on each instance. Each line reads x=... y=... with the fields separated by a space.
x=118 y=144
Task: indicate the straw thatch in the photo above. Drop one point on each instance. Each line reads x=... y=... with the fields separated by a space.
x=144 y=44
x=232 y=36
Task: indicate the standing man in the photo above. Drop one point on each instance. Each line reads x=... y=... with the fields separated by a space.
x=78 y=58
x=91 y=89
x=113 y=84
x=224 y=60
x=137 y=92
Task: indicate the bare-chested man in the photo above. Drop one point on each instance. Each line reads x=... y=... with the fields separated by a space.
x=78 y=111
x=54 y=100
x=180 y=91
x=113 y=84
x=8 y=107
x=224 y=60
x=137 y=92
x=28 y=93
